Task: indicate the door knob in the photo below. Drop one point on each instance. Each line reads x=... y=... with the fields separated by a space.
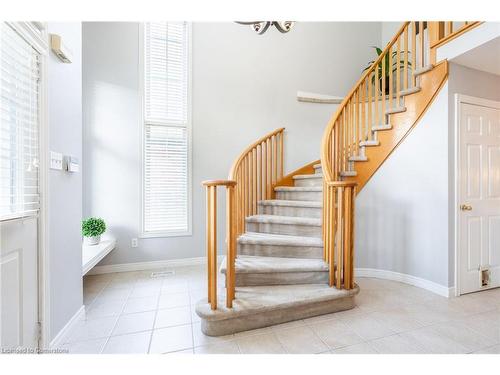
x=466 y=207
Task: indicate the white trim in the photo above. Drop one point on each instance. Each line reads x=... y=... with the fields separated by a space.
x=66 y=330
x=189 y=128
x=43 y=216
x=458 y=101
x=144 y=266
x=407 y=279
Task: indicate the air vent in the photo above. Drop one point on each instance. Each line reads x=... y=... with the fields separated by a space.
x=159 y=274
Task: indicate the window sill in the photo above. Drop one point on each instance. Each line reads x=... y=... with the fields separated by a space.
x=146 y=235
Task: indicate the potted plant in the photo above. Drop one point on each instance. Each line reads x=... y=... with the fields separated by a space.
x=384 y=66
x=92 y=228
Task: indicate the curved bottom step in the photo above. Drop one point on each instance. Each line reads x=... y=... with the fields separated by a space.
x=263 y=306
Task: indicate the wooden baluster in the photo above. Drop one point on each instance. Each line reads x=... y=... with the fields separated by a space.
x=213 y=246
x=352 y=126
x=250 y=183
x=384 y=75
x=376 y=96
x=369 y=120
x=421 y=40
x=348 y=135
x=449 y=28
x=358 y=122
x=363 y=110
x=347 y=236
x=282 y=152
x=336 y=148
x=331 y=231
x=208 y=235
x=339 y=237
x=254 y=178
x=413 y=51
x=264 y=170
x=269 y=166
x=389 y=55
x=405 y=69
x=275 y=159
x=245 y=185
x=230 y=247
x=398 y=70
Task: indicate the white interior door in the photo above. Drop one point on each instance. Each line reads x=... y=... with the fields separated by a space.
x=479 y=197
x=18 y=284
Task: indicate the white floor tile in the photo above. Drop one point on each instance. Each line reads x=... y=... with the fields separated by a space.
x=336 y=334
x=136 y=322
x=363 y=348
x=301 y=340
x=173 y=317
x=266 y=343
x=135 y=343
x=85 y=347
x=134 y=305
x=171 y=339
x=224 y=348
x=171 y=300
x=396 y=344
x=92 y=329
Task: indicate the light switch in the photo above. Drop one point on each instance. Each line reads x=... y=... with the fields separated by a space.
x=71 y=164
x=56 y=161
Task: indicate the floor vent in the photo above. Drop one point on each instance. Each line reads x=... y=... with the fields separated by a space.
x=156 y=275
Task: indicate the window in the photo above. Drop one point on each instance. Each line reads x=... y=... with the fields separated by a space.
x=19 y=125
x=166 y=133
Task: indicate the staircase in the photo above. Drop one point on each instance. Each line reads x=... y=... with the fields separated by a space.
x=280 y=273
x=290 y=238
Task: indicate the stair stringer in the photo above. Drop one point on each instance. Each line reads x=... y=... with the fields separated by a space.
x=402 y=123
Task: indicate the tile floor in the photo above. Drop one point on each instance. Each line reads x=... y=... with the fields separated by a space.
x=134 y=313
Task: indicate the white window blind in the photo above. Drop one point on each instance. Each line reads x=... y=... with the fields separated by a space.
x=19 y=125
x=166 y=119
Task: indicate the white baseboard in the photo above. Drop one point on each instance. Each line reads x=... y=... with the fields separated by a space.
x=143 y=266
x=61 y=336
x=407 y=279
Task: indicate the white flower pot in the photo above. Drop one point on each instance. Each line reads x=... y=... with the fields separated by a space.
x=94 y=240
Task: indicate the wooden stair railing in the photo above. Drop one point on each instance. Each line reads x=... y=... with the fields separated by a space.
x=379 y=93
x=252 y=178
x=380 y=88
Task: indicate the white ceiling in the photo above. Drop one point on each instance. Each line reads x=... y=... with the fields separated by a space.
x=486 y=57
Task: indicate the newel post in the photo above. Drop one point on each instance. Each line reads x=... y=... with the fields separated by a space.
x=211 y=240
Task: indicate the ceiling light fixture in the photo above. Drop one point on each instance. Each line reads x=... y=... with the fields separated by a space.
x=260 y=27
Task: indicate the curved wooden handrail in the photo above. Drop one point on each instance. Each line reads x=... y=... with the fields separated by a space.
x=218 y=183
x=238 y=161
x=324 y=143
x=252 y=178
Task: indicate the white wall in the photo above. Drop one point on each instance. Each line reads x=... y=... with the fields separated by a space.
x=402 y=212
x=65 y=190
x=467 y=81
x=244 y=85
x=389 y=29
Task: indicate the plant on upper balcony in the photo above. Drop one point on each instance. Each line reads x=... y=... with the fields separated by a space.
x=385 y=66
x=92 y=228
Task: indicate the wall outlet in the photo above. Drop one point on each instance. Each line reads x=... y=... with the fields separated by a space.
x=135 y=242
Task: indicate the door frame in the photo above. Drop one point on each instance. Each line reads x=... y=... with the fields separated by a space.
x=461 y=99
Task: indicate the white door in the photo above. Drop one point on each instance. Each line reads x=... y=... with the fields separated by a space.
x=479 y=197
x=20 y=98
x=18 y=284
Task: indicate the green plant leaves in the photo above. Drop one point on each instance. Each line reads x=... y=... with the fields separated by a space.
x=93 y=226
